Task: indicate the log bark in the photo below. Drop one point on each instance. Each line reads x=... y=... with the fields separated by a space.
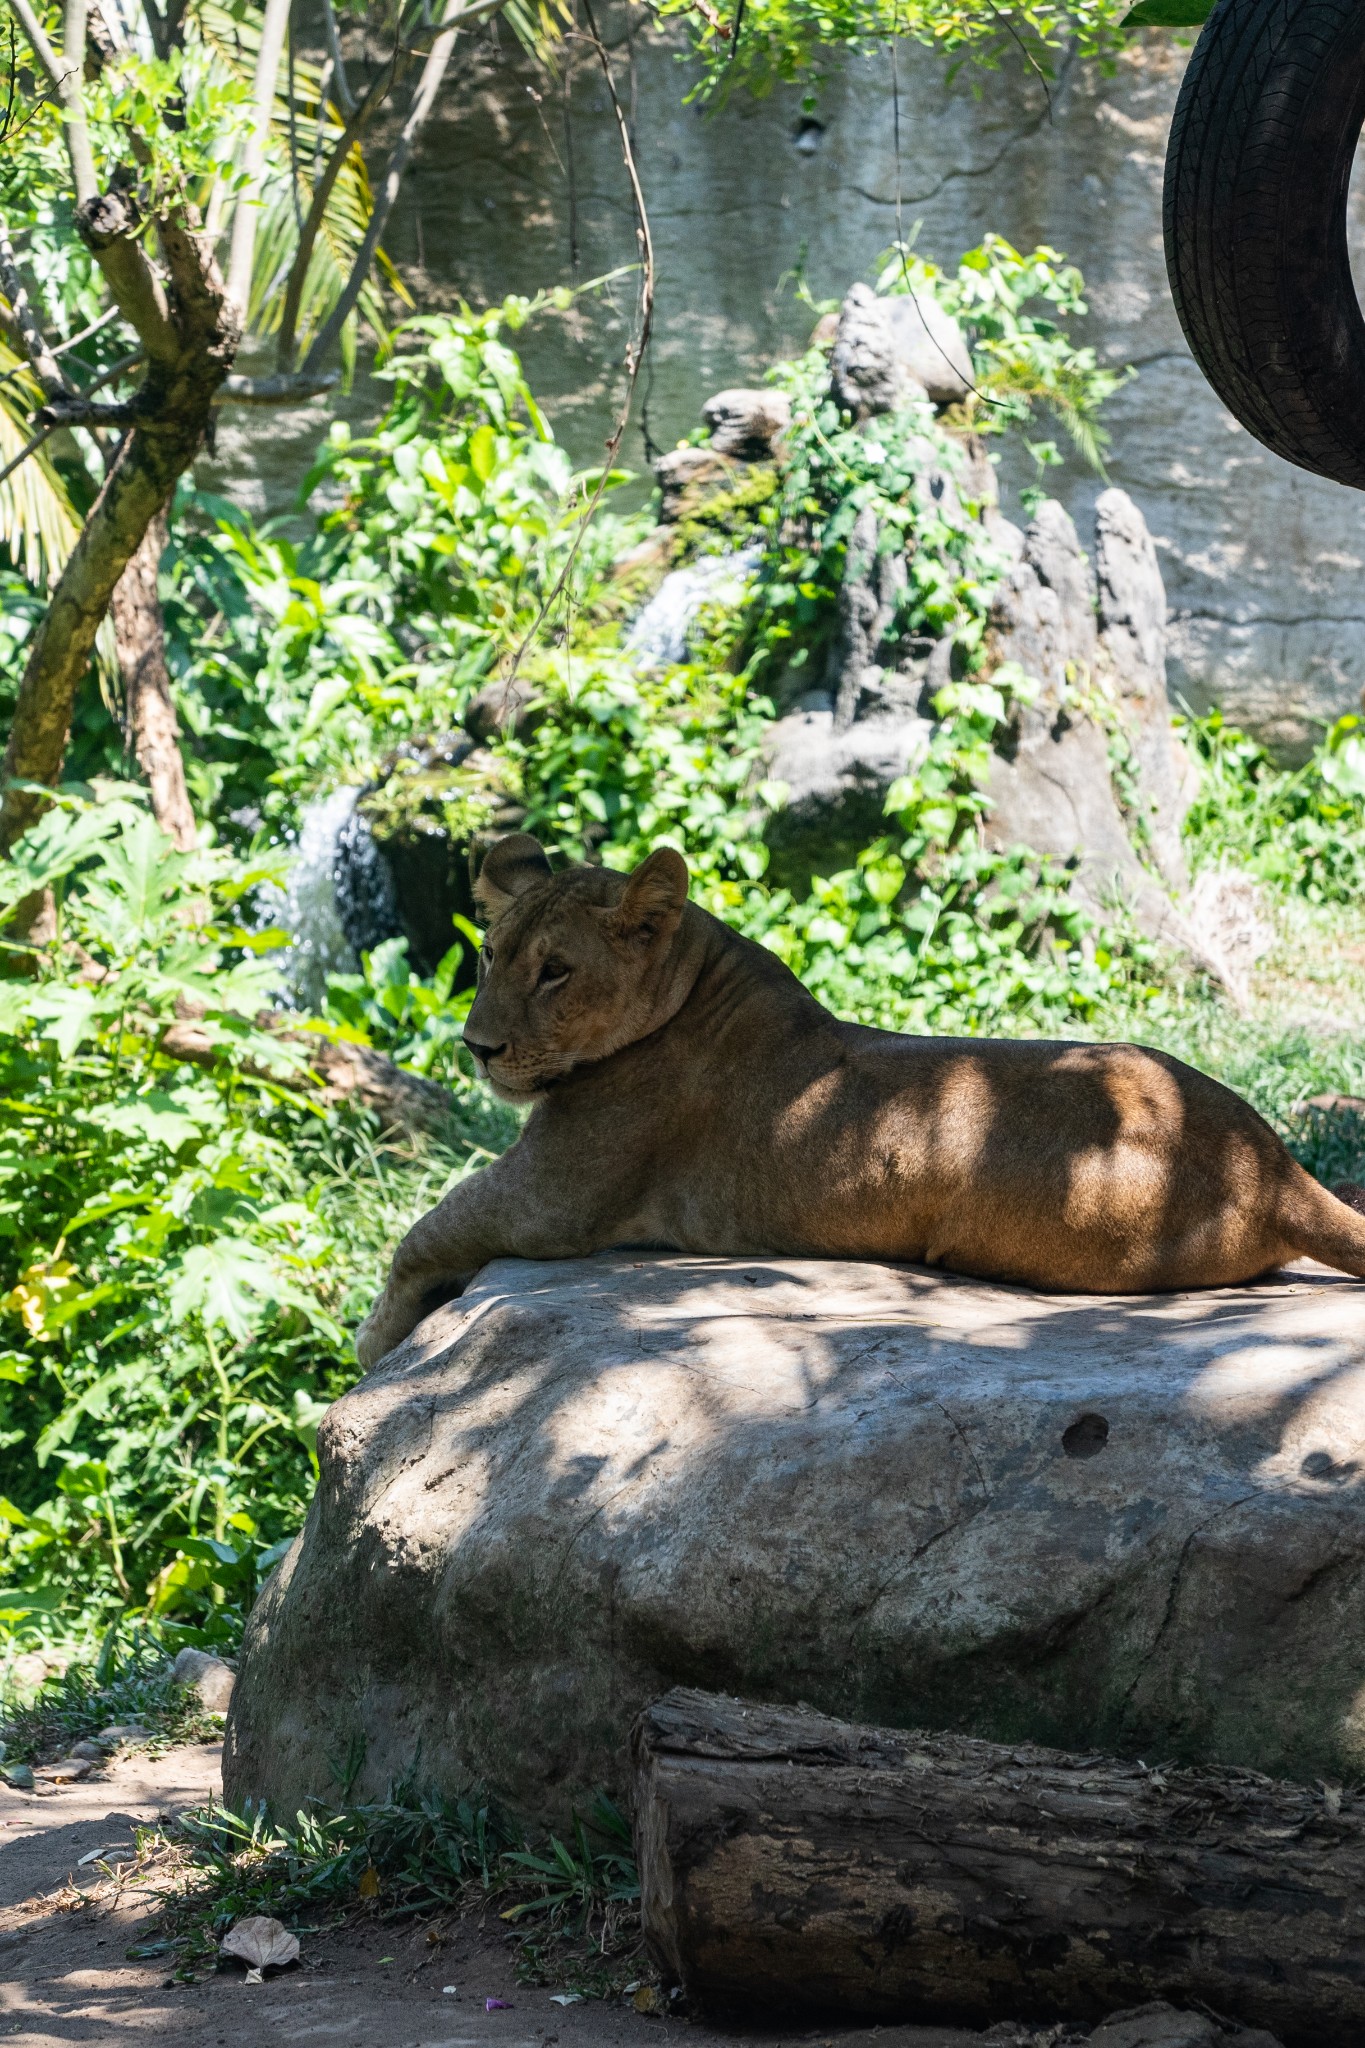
x=337 y=1070
x=140 y=637
x=793 y=1862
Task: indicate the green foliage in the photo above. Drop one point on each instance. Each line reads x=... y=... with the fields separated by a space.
x=127 y=1683
x=771 y=42
x=304 y=663
x=930 y=931
x=417 y=1023
x=1300 y=830
x=184 y=1246
x=411 y=1853
x=1021 y=357
x=627 y=759
x=1167 y=14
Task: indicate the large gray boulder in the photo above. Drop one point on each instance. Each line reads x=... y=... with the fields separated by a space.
x=903 y=1497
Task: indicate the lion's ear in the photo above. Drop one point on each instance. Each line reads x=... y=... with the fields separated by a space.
x=511 y=866
x=654 y=895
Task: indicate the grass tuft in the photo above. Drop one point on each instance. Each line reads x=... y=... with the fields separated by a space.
x=571 y=1908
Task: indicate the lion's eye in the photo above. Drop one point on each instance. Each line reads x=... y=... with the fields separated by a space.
x=488 y=956
x=552 y=972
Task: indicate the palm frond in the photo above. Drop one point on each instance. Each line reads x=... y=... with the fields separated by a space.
x=334 y=252
x=37 y=522
x=319 y=126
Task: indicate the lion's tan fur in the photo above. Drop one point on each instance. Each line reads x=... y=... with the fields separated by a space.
x=690 y=1094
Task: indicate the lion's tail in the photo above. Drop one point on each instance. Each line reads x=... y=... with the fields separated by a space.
x=1326 y=1226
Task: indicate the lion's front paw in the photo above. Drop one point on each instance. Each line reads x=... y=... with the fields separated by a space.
x=379 y=1334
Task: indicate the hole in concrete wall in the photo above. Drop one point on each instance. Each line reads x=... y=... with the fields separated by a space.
x=809 y=134
x=1086 y=1437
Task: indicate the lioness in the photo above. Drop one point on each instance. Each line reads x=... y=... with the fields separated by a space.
x=692 y=1096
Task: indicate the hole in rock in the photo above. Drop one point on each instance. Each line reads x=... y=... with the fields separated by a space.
x=1322 y=1465
x=1086 y=1437
x=810 y=133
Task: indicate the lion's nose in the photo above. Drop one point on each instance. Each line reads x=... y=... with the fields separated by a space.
x=484 y=1052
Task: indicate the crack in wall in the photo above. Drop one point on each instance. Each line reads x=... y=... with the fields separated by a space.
x=1043 y=118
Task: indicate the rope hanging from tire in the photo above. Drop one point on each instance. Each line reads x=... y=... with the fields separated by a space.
x=1257 y=175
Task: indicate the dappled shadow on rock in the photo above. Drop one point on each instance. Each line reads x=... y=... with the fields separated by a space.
x=901 y=1496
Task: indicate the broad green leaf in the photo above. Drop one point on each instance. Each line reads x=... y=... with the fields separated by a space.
x=308 y=1413
x=70 y=1014
x=14 y=1005
x=141 y=867
x=109 y=1205
x=62 y=838
x=157 y=1116
x=17 y=1601
x=483 y=452
x=225 y=1283
x=95 y=1400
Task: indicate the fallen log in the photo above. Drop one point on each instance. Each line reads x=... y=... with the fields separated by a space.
x=337 y=1069
x=797 y=1863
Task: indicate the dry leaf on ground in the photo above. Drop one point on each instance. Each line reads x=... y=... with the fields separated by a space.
x=262 y=1944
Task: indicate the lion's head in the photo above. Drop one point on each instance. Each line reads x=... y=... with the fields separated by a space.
x=573 y=965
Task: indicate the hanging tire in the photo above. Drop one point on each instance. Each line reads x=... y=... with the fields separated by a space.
x=1257 y=172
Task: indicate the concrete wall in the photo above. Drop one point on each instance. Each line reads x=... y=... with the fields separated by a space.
x=1263 y=564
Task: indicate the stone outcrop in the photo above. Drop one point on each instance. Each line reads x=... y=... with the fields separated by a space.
x=1101 y=719
x=747 y=423
x=901 y=1497
x=891 y=349
x=209 y=1678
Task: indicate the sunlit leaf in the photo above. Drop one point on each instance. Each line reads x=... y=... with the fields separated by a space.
x=226 y=1284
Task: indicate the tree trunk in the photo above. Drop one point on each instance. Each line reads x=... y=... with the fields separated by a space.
x=173 y=407
x=791 y=1861
x=140 y=637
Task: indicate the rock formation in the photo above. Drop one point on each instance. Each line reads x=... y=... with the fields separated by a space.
x=887 y=350
x=1089 y=773
x=1132 y=1524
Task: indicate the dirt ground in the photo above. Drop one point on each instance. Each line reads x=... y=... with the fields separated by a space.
x=65 y=1979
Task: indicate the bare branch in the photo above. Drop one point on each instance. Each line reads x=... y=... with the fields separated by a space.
x=82 y=412
x=64 y=74
x=45 y=365
x=277 y=390
x=87 y=333
x=37 y=40
x=115 y=371
x=308 y=233
x=454 y=17
x=108 y=227
x=246 y=212
x=29 y=448
x=345 y=97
